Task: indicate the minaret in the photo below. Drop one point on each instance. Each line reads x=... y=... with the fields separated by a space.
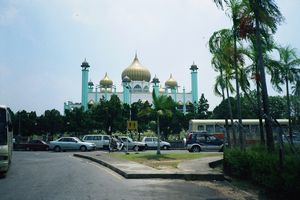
x=194 y=74
x=84 y=92
x=126 y=80
x=156 y=82
x=91 y=86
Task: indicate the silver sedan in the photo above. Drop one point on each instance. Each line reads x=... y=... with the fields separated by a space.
x=71 y=143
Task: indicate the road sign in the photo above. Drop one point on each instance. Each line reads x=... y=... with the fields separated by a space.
x=132 y=125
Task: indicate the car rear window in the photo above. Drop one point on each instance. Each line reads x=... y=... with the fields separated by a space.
x=105 y=137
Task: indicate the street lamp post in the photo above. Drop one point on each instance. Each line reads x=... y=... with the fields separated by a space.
x=127 y=99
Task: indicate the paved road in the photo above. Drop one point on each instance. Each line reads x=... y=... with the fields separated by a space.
x=48 y=175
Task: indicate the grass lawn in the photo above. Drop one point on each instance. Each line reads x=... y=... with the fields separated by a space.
x=162 y=161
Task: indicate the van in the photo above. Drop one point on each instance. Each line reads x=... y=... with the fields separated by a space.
x=101 y=141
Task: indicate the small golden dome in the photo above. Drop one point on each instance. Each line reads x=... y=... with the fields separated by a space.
x=136 y=71
x=106 y=82
x=171 y=82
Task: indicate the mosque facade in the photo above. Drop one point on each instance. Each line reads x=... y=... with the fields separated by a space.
x=136 y=85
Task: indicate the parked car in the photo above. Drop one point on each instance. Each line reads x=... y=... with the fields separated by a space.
x=71 y=143
x=134 y=145
x=32 y=145
x=101 y=141
x=151 y=143
x=202 y=141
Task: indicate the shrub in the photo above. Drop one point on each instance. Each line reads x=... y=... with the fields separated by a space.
x=260 y=167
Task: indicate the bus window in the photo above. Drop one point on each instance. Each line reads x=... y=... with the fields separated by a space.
x=200 y=128
x=3 y=135
x=210 y=128
x=219 y=129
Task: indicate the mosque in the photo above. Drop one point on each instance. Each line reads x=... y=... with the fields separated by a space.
x=137 y=85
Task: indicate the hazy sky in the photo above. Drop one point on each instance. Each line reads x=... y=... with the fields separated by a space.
x=43 y=43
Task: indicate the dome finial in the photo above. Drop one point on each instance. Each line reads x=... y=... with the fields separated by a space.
x=135 y=56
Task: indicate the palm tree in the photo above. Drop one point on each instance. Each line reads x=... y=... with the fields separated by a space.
x=162 y=106
x=266 y=17
x=223 y=82
x=220 y=45
x=251 y=52
x=235 y=7
x=286 y=71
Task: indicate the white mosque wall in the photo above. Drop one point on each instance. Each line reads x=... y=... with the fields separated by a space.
x=144 y=96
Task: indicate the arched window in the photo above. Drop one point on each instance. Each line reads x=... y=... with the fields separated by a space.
x=137 y=88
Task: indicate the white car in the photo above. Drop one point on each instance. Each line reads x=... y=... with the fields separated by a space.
x=151 y=143
x=101 y=141
x=71 y=143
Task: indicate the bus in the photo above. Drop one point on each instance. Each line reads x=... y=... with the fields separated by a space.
x=6 y=139
x=216 y=127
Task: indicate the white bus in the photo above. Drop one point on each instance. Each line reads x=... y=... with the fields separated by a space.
x=217 y=127
x=6 y=139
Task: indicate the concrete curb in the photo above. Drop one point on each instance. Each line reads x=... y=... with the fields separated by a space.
x=184 y=176
x=216 y=163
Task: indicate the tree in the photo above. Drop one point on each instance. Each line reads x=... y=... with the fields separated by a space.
x=221 y=46
x=51 y=122
x=162 y=107
x=266 y=17
x=286 y=71
x=234 y=10
x=203 y=107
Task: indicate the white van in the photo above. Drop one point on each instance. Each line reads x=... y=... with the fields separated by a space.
x=101 y=141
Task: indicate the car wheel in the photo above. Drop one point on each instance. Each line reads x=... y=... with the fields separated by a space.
x=136 y=148
x=165 y=147
x=83 y=148
x=146 y=147
x=57 y=149
x=27 y=149
x=47 y=149
x=196 y=149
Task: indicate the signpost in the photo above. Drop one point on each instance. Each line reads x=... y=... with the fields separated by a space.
x=132 y=125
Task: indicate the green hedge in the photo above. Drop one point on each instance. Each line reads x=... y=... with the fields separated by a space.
x=260 y=167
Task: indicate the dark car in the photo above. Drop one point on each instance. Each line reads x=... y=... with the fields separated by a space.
x=203 y=141
x=36 y=145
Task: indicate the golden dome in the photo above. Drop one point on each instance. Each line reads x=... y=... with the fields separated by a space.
x=106 y=82
x=136 y=71
x=171 y=82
